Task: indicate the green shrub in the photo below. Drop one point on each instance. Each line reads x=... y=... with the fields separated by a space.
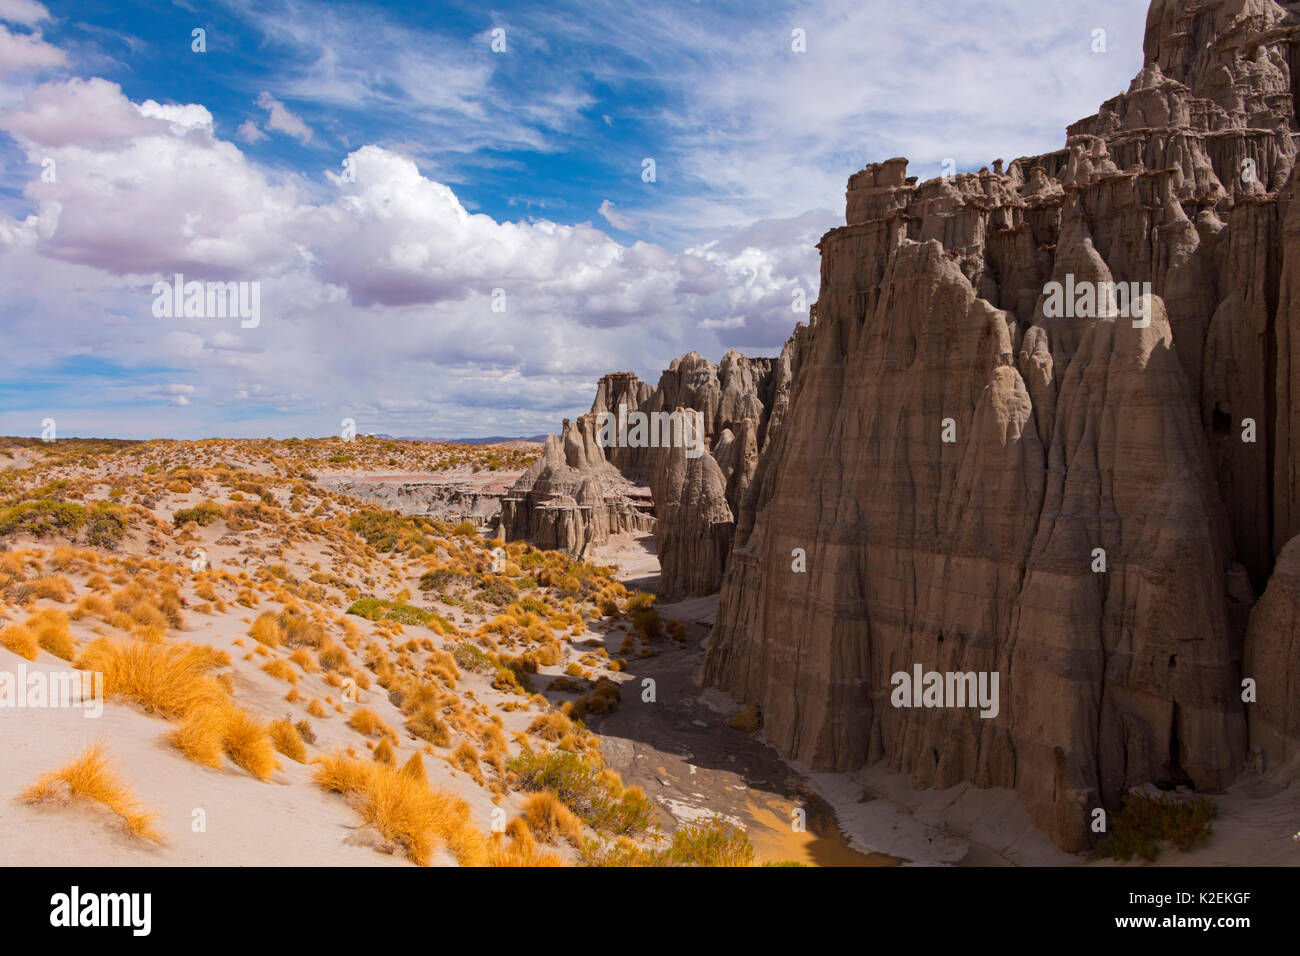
x=105 y=525
x=389 y=531
x=575 y=780
x=471 y=657
x=42 y=517
x=715 y=843
x=1145 y=822
x=442 y=579
x=204 y=513
x=376 y=609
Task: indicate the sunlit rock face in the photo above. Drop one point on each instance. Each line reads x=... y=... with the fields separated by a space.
x=972 y=475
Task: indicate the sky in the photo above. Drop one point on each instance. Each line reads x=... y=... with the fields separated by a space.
x=455 y=217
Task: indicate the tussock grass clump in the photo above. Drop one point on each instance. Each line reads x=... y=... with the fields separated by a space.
x=247 y=742
x=427 y=725
x=287 y=740
x=92 y=777
x=549 y=819
x=302 y=657
x=200 y=735
x=466 y=758
x=367 y=722
x=332 y=655
x=211 y=730
x=305 y=731
x=402 y=806
x=516 y=847
x=1147 y=822
x=51 y=629
x=21 y=640
x=266 y=630
x=281 y=670
x=52 y=587
x=552 y=726
x=174 y=682
x=92 y=605
x=171 y=680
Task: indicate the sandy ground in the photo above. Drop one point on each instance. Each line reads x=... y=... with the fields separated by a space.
x=680 y=750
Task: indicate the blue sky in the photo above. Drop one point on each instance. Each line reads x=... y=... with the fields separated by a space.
x=469 y=171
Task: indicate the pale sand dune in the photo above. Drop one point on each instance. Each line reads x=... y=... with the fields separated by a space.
x=287 y=821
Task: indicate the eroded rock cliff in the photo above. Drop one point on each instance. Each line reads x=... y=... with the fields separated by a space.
x=1084 y=504
x=697 y=491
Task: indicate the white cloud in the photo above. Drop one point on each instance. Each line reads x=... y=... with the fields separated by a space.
x=24 y=52
x=249 y=132
x=616 y=218
x=282 y=120
x=27 y=12
x=176 y=393
x=376 y=299
x=751 y=129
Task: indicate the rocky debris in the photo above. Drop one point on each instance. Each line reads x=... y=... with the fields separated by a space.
x=1082 y=502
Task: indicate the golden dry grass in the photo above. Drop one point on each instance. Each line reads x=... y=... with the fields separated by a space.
x=551 y=726
x=548 y=817
x=51 y=629
x=171 y=680
x=281 y=670
x=266 y=630
x=209 y=731
x=200 y=735
x=516 y=847
x=92 y=777
x=248 y=744
x=367 y=722
x=404 y=809
x=21 y=640
x=52 y=587
x=302 y=657
x=287 y=740
x=93 y=605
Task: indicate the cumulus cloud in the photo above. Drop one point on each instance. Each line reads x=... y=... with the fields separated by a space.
x=26 y=52
x=26 y=12
x=383 y=299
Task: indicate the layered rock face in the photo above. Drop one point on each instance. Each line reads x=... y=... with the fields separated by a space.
x=697 y=489
x=571 y=497
x=1081 y=502
x=1273 y=660
x=450 y=500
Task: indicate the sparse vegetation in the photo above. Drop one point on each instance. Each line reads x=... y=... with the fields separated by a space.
x=92 y=777
x=1146 y=823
